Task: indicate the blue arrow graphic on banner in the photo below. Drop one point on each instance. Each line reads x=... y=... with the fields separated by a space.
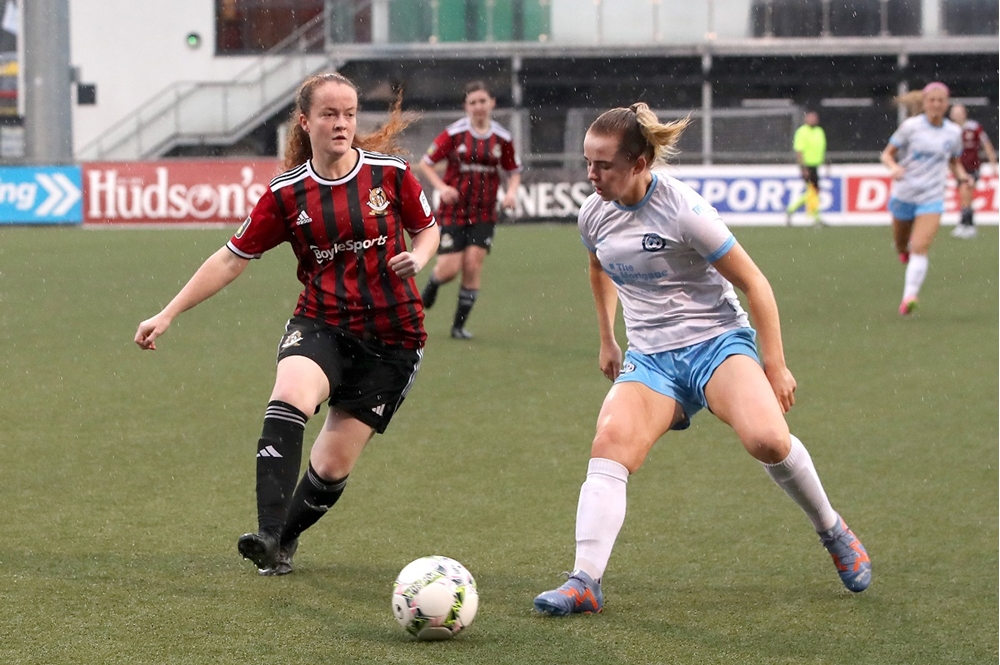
x=62 y=194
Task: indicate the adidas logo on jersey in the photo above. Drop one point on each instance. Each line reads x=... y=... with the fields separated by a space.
x=303 y=219
x=268 y=451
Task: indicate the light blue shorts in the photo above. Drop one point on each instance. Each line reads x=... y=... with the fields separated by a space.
x=907 y=212
x=682 y=374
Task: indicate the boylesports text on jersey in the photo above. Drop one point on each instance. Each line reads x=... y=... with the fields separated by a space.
x=323 y=255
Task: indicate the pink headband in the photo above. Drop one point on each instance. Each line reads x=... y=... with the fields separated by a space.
x=936 y=85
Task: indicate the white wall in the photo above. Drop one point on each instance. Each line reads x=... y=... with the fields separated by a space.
x=132 y=50
x=575 y=22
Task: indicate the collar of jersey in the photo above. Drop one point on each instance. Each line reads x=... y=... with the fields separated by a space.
x=320 y=179
x=649 y=193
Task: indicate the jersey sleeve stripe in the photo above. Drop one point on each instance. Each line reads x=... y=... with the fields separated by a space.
x=723 y=250
x=243 y=255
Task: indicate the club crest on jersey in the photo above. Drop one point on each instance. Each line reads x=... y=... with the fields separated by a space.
x=653 y=243
x=377 y=201
x=496 y=151
x=461 y=149
x=243 y=227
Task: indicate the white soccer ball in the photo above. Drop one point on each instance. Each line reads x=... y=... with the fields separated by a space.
x=434 y=598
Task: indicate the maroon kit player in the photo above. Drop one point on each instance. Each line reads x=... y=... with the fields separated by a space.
x=974 y=141
x=356 y=336
x=477 y=150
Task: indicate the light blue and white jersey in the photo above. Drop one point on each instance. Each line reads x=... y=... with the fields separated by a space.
x=659 y=254
x=924 y=150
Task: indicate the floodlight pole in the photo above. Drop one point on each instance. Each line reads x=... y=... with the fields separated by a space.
x=48 y=111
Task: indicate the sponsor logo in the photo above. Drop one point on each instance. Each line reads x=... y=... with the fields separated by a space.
x=477 y=168
x=424 y=203
x=379 y=410
x=377 y=201
x=303 y=218
x=178 y=192
x=324 y=255
x=268 y=451
x=291 y=339
x=652 y=243
x=243 y=227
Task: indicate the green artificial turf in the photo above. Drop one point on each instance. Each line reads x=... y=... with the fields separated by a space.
x=126 y=476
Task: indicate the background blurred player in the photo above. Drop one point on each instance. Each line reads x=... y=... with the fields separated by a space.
x=356 y=337
x=477 y=149
x=974 y=141
x=810 y=152
x=919 y=155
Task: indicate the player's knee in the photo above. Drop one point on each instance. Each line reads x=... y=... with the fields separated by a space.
x=618 y=444
x=767 y=444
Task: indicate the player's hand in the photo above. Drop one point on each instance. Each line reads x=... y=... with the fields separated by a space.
x=405 y=265
x=897 y=172
x=610 y=360
x=783 y=384
x=150 y=329
x=449 y=194
x=509 y=202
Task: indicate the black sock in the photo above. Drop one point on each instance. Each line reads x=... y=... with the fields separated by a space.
x=430 y=292
x=466 y=299
x=279 y=455
x=967 y=216
x=313 y=497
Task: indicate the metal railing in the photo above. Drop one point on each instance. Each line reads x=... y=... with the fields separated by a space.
x=199 y=112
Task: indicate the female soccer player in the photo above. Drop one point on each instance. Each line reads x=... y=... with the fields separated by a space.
x=918 y=155
x=661 y=249
x=477 y=149
x=356 y=336
x=974 y=140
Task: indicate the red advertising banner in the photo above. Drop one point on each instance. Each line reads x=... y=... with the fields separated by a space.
x=174 y=192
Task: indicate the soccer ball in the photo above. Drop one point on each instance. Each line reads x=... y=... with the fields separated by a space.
x=434 y=598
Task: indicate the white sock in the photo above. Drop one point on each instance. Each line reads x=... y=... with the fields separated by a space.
x=599 y=515
x=916 y=271
x=797 y=476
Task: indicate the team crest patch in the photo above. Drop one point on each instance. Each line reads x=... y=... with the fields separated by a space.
x=496 y=151
x=291 y=339
x=653 y=243
x=243 y=227
x=377 y=201
x=446 y=241
x=627 y=368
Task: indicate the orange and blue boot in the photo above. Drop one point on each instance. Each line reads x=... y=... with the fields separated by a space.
x=581 y=594
x=849 y=555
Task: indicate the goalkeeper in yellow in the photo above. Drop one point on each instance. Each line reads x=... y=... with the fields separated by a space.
x=810 y=151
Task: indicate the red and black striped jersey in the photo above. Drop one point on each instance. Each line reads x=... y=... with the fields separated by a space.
x=972 y=141
x=474 y=164
x=343 y=233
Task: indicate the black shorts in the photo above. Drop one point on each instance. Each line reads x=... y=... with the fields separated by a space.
x=456 y=238
x=811 y=175
x=368 y=379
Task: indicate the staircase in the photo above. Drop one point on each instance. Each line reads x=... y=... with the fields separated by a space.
x=217 y=113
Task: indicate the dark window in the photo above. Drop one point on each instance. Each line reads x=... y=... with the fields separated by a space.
x=837 y=18
x=786 y=18
x=256 y=26
x=855 y=18
x=86 y=94
x=971 y=17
